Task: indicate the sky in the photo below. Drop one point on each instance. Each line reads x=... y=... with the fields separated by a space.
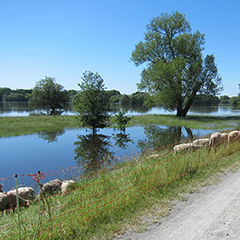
x=64 y=38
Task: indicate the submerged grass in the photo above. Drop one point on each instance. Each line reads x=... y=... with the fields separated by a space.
x=15 y=126
x=106 y=203
x=195 y=122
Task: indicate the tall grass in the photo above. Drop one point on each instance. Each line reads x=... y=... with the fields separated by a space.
x=104 y=202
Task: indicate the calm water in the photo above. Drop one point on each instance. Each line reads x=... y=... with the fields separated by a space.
x=49 y=151
x=52 y=150
x=20 y=109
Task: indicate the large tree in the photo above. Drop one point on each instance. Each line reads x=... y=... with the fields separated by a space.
x=49 y=95
x=174 y=66
x=92 y=103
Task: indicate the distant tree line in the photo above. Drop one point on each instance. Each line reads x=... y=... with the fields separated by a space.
x=114 y=96
x=23 y=95
x=208 y=100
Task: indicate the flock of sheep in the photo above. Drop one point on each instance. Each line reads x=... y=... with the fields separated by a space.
x=8 y=200
x=215 y=139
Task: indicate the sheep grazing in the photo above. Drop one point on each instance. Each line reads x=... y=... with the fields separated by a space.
x=233 y=136
x=201 y=142
x=52 y=187
x=13 y=200
x=214 y=139
x=224 y=137
x=9 y=200
x=4 y=201
x=218 y=138
x=67 y=185
x=182 y=147
x=24 y=192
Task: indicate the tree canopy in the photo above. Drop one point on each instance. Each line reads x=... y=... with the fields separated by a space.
x=174 y=66
x=92 y=103
x=49 y=95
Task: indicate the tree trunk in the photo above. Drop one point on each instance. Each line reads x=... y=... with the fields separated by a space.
x=183 y=112
x=189 y=132
x=179 y=108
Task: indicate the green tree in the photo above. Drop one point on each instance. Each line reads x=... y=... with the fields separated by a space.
x=124 y=99
x=4 y=92
x=122 y=120
x=49 y=95
x=112 y=93
x=91 y=103
x=138 y=98
x=234 y=101
x=16 y=97
x=175 y=68
x=205 y=100
x=71 y=94
x=224 y=99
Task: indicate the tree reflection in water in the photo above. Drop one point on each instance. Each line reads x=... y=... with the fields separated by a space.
x=51 y=136
x=92 y=151
x=162 y=136
x=122 y=139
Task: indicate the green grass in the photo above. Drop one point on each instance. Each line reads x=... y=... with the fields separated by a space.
x=15 y=126
x=195 y=122
x=105 y=203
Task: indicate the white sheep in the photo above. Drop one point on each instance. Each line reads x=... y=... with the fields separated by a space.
x=201 y=142
x=52 y=186
x=234 y=135
x=13 y=200
x=182 y=147
x=217 y=138
x=4 y=201
x=67 y=185
x=224 y=137
x=24 y=192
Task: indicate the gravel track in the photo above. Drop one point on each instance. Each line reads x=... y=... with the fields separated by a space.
x=214 y=213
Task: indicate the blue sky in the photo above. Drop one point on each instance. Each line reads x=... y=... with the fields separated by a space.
x=63 y=38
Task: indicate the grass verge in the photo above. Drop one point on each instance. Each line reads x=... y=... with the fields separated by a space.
x=106 y=203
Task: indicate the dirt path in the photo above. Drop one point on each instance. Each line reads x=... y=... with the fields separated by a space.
x=212 y=214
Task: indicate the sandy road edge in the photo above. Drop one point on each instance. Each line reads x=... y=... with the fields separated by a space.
x=211 y=213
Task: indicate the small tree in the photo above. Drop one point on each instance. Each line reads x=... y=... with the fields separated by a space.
x=91 y=103
x=49 y=95
x=122 y=120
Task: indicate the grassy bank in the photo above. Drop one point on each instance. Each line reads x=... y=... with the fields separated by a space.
x=15 y=126
x=130 y=196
